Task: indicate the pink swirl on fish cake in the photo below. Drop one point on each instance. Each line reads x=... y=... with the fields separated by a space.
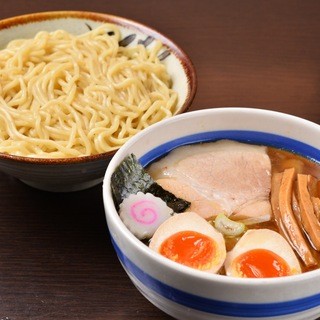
x=144 y=212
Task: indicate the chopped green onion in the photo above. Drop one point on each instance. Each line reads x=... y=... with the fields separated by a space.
x=227 y=226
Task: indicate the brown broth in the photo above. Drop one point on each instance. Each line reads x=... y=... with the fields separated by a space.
x=281 y=160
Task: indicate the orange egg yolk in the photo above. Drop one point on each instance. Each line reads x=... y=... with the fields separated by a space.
x=261 y=263
x=190 y=248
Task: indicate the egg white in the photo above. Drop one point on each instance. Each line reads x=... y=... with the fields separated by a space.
x=262 y=239
x=191 y=221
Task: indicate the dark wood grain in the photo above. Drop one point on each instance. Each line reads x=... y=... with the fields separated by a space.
x=56 y=260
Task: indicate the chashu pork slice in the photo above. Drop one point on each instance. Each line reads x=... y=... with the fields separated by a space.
x=223 y=176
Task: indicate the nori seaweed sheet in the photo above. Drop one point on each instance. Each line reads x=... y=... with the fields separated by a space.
x=130 y=178
x=178 y=205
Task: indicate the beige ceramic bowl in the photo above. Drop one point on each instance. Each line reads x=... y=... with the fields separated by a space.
x=71 y=174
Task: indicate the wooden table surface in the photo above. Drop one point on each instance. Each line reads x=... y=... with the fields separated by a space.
x=56 y=259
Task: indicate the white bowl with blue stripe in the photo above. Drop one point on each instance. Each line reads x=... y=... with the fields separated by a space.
x=183 y=292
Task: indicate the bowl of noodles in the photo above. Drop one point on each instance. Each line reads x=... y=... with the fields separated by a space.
x=75 y=86
x=213 y=218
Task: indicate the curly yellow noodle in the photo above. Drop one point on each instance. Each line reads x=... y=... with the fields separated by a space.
x=63 y=95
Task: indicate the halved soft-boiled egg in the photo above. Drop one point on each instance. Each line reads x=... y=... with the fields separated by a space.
x=261 y=253
x=190 y=240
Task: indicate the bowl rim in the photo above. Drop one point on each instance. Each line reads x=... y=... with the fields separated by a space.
x=179 y=53
x=111 y=212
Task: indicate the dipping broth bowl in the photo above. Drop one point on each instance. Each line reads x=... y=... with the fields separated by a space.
x=186 y=293
x=72 y=174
